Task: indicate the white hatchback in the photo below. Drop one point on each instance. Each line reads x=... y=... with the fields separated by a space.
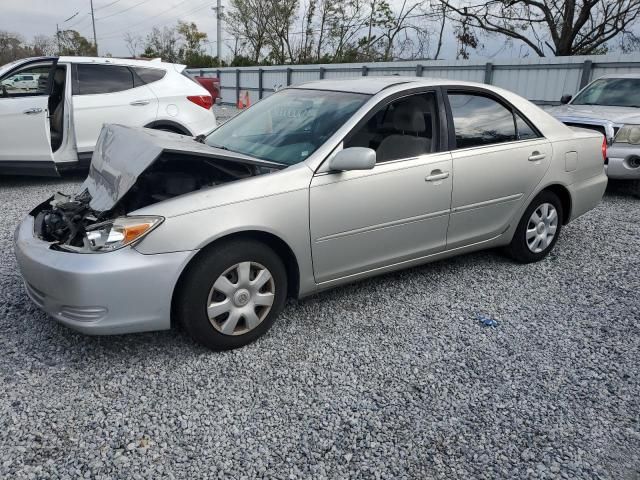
x=54 y=124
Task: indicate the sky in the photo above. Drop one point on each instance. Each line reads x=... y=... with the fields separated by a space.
x=116 y=17
x=113 y=18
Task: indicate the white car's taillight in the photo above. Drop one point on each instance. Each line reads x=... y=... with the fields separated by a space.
x=204 y=101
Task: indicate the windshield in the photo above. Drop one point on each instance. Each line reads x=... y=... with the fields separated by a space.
x=288 y=126
x=615 y=92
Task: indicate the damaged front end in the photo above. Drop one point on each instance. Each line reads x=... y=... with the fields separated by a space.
x=131 y=169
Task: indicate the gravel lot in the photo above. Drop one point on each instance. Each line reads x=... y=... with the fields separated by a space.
x=389 y=378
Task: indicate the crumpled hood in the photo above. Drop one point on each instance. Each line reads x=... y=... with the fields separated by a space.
x=600 y=112
x=123 y=153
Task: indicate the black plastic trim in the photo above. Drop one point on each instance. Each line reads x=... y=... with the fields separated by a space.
x=37 y=168
x=157 y=124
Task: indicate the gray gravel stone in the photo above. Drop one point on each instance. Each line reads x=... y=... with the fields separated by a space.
x=393 y=377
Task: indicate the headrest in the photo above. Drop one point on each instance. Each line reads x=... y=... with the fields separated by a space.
x=408 y=118
x=59 y=76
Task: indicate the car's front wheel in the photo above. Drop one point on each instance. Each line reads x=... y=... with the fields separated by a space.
x=538 y=230
x=231 y=294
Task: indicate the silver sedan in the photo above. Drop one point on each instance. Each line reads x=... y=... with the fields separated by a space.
x=611 y=106
x=313 y=187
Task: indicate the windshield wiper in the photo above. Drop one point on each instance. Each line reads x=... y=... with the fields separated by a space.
x=221 y=147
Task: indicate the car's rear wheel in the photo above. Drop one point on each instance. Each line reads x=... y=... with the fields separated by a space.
x=231 y=294
x=538 y=230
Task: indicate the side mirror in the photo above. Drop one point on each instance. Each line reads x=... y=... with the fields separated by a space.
x=353 y=158
x=566 y=98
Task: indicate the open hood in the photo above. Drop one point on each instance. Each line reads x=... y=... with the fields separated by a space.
x=131 y=169
x=122 y=154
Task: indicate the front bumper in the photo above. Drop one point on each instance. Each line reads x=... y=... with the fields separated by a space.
x=99 y=294
x=623 y=162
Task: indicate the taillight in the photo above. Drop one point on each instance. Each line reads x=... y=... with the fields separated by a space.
x=604 y=149
x=204 y=101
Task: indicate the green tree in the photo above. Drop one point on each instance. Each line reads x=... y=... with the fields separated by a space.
x=162 y=43
x=73 y=44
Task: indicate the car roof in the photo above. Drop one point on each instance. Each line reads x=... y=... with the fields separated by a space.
x=620 y=75
x=153 y=63
x=373 y=85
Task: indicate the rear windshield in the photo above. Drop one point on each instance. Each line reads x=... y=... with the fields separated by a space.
x=615 y=92
x=289 y=125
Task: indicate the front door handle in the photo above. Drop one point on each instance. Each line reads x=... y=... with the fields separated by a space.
x=537 y=156
x=436 y=175
x=33 y=111
x=139 y=103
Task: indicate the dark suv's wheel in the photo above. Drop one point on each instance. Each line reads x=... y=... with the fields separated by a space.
x=231 y=294
x=538 y=230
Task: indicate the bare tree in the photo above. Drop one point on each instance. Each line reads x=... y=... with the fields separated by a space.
x=345 y=22
x=282 y=15
x=133 y=43
x=162 y=43
x=393 y=25
x=247 y=21
x=562 y=27
x=629 y=42
x=442 y=20
x=43 y=45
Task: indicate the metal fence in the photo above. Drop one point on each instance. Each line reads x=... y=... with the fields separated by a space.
x=541 y=80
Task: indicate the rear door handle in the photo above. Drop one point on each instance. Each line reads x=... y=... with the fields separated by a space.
x=537 y=156
x=436 y=175
x=33 y=111
x=139 y=103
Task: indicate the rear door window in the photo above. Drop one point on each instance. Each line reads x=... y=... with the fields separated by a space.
x=96 y=79
x=480 y=120
x=149 y=75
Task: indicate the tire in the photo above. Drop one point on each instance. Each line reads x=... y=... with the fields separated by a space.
x=531 y=241
x=201 y=294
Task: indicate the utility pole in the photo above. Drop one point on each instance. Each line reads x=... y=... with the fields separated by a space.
x=93 y=21
x=218 y=9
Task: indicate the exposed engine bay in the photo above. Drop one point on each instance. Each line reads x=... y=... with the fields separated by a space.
x=116 y=186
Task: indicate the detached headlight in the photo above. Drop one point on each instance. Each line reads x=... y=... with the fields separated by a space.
x=628 y=134
x=118 y=233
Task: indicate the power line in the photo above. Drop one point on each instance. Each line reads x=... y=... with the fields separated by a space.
x=125 y=10
x=120 y=31
x=107 y=5
x=81 y=20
